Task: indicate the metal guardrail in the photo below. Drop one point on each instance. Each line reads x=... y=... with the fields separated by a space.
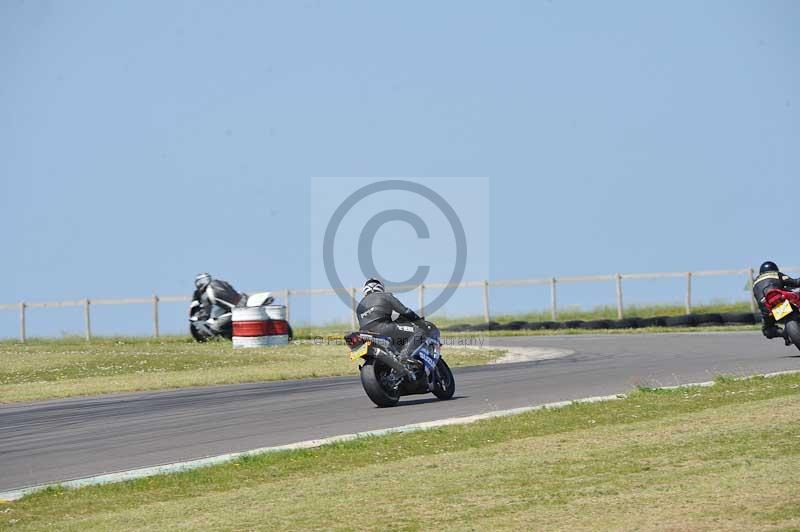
x=553 y=282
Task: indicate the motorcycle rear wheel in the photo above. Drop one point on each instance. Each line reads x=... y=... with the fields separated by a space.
x=792 y=330
x=373 y=377
x=445 y=385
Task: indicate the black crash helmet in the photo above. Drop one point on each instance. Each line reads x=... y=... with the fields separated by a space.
x=768 y=266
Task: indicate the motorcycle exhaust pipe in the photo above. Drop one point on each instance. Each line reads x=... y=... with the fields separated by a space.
x=393 y=363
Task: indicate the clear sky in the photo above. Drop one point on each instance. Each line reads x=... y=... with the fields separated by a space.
x=142 y=142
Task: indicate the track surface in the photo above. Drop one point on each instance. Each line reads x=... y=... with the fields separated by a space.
x=61 y=440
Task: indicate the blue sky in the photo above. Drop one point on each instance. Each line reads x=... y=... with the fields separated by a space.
x=142 y=142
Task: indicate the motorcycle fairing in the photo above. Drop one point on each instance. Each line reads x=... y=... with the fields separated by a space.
x=259 y=299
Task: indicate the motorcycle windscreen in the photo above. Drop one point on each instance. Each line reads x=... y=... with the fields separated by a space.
x=259 y=299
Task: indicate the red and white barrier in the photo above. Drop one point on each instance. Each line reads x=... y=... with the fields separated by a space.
x=260 y=326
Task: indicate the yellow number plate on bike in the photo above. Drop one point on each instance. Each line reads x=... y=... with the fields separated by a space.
x=782 y=310
x=359 y=352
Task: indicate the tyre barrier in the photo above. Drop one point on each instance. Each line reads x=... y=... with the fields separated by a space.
x=679 y=321
x=596 y=324
x=686 y=320
x=652 y=322
x=260 y=326
x=461 y=327
x=625 y=323
x=740 y=317
x=708 y=319
x=491 y=326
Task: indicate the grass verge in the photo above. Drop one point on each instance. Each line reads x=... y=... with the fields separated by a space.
x=52 y=369
x=719 y=458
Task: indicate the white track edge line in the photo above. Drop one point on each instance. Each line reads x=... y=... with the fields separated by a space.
x=177 y=467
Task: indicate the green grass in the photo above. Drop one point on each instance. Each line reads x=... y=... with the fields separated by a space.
x=50 y=369
x=724 y=457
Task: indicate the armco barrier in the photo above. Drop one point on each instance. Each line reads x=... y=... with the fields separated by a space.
x=551 y=282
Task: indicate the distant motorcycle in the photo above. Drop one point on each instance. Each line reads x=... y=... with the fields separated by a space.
x=785 y=308
x=261 y=299
x=385 y=378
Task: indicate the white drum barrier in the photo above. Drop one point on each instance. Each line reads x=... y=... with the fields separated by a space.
x=276 y=312
x=260 y=326
x=260 y=341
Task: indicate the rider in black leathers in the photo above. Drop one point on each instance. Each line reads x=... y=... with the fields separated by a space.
x=216 y=299
x=769 y=276
x=375 y=316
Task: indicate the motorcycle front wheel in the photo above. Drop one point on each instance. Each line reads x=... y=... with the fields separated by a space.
x=445 y=385
x=374 y=380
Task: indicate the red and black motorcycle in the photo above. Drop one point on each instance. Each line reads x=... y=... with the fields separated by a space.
x=785 y=308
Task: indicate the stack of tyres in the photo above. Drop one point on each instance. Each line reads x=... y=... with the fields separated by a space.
x=684 y=320
x=260 y=326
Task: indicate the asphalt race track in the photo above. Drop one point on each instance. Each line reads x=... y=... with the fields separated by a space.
x=62 y=440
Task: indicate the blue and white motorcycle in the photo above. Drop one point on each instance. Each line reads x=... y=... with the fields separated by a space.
x=385 y=378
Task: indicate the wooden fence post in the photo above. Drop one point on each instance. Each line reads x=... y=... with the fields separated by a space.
x=619 y=297
x=87 y=318
x=155 y=316
x=22 y=322
x=421 y=289
x=688 y=292
x=486 y=316
x=553 y=303
x=753 y=303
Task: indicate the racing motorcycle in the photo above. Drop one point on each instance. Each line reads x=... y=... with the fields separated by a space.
x=261 y=299
x=385 y=378
x=785 y=308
